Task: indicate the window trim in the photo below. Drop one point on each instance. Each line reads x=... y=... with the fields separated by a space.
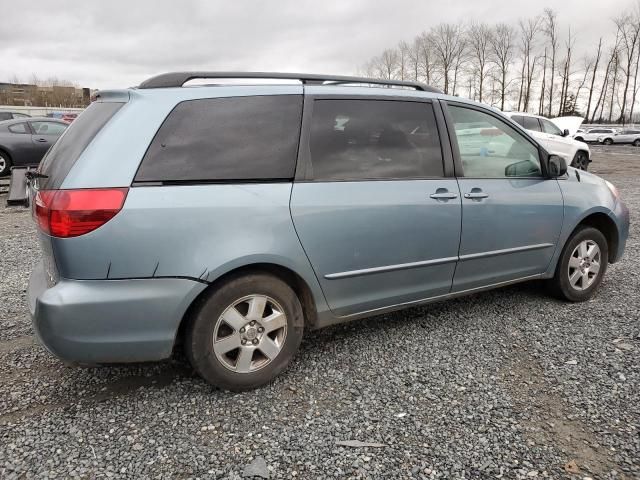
x=303 y=165
x=542 y=153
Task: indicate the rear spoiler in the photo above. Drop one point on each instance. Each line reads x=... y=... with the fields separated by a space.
x=18 y=186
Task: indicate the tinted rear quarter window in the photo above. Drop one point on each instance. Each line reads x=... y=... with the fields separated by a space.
x=65 y=152
x=226 y=139
x=374 y=139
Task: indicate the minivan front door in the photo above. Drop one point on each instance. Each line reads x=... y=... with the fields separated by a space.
x=376 y=215
x=512 y=214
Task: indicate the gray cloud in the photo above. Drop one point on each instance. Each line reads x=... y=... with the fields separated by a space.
x=119 y=43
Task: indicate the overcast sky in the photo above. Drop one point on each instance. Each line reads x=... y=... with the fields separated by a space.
x=115 y=44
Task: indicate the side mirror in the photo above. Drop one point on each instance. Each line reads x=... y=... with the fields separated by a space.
x=557 y=166
x=565 y=132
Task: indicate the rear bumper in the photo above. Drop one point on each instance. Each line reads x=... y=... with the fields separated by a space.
x=109 y=321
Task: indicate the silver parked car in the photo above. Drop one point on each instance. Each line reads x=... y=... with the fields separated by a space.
x=630 y=137
x=231 y=219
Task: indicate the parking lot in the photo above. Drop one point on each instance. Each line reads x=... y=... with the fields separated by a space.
x=505 y=384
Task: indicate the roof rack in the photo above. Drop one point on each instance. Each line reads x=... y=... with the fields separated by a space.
x=178 y=79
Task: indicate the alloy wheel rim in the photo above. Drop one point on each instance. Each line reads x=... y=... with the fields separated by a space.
x=250 y=333
x=584 y=265
x=3 y=164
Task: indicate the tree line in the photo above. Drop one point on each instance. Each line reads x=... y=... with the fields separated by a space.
x=531 y=66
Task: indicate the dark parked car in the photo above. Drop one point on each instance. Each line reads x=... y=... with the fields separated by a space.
x=24 y=141
x=7 y=115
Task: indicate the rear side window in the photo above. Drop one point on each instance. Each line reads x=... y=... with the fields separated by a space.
x=63 y=155
x=531 y=123
x=374 y=139
x=223 y=139
x=18 y=128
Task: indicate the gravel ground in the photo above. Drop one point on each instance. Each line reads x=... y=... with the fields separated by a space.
x=506 y=384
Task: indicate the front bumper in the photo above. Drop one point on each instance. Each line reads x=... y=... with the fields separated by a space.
x=620 y=215
x=109 y=321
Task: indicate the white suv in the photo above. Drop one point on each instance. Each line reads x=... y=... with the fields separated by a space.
x=555 y=140
x=599 y=135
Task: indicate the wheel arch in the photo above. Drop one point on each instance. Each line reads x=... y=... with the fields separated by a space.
x=602 y=222
x=289 y=276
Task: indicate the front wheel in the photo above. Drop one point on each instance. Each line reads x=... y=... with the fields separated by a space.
x=580 y=160
x=607 y=141
x=246 y=332
x=636 y=142
x=581 y=266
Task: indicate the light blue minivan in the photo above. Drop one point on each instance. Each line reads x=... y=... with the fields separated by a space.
x=229 y=218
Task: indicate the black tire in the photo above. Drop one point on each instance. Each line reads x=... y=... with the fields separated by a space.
x=5 y=163
x=636 y=142
x=580 y=160
x=607 y=141
x=199 y=342
x=560 y=284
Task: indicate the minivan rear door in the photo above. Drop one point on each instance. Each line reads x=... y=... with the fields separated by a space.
x=375 y=204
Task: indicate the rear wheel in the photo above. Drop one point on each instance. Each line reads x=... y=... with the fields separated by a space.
x=582 y=266
x=246 y=332
x=5 y=164
x=607 y=141
x=636 y=142
x=580 y=160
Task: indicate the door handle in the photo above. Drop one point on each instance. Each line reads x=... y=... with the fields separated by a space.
x=443 y=195
x=476 y=195
x=41 y=140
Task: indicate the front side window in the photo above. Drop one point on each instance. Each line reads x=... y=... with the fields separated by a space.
x=48 y=128
x=550 y=127
x=489 y=148
x=374 y=139
x=19 y=128
x=222 y=139
x=531 y=123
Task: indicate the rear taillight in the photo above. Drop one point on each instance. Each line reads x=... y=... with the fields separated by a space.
x=71 y=213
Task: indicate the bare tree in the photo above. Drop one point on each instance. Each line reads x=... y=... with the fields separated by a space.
x=448 y=47
x=593 y=78
x=551 y=31
x=529 y=29
x=566 y=73
x=587 y=68
x=480 y=46
x=543 y=85
x=502 y=53
x=629 y=32
x=388 y=63
x=403 y=59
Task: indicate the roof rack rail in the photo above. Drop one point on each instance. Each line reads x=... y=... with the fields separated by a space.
x=178 y=79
